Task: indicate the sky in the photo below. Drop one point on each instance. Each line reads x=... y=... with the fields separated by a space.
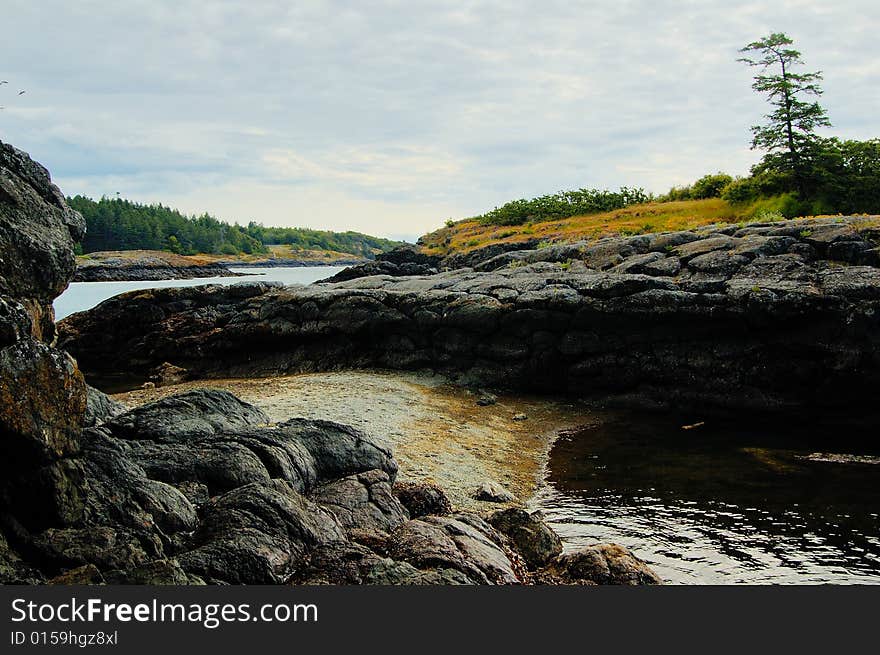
x=389 y=117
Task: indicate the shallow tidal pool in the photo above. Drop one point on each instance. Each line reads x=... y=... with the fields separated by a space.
x=722 y=502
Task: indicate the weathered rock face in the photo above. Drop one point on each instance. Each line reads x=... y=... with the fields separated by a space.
x=37 y=234
x=42 y=394
x=765 y=316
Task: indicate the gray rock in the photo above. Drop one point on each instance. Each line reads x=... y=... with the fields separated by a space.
x=37 y=230
x=189 y=415
x=258 y=534
x=453 y=542
x=492 y=492
x=100 y=407
x=363 y=502
x=602 y=564
x=339 y=450
x=530 y=537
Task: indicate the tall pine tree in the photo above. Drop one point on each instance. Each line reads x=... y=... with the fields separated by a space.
x=789 y=133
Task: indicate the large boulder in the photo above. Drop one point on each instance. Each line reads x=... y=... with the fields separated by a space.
x=602 y=564
x=189 y=415
x=37 y=234
x=42 y=393
x=363 y=502
x=533 y=539
x=461 y=542
x=258 y=534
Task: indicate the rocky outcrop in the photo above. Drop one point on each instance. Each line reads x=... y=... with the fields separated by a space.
x=195 y=488
x=598 y=565
x=42 y=393
x=403 y=260
x=174 y=492
x=760 y=316
x=148 y=265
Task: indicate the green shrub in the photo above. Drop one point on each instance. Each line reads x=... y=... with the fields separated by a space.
x=677 y=193
x=710 y=186
x=562 y=205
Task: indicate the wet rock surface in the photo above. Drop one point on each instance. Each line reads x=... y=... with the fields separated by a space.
x=759 y=316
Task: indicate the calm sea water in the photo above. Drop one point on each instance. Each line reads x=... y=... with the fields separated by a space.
x=80 y=296
x=727 y=502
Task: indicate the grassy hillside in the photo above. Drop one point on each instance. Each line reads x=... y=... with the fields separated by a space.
x=471 y=234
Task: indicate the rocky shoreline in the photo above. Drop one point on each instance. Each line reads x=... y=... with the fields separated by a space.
x=144 y=265
x=781 y=316
x=439 y=432
x=201 y=487
x=282 y=262
x=154 y=265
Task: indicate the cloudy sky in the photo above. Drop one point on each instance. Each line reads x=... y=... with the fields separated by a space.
x=389 y=117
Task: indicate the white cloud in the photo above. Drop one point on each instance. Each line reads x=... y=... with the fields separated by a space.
x=389 y=117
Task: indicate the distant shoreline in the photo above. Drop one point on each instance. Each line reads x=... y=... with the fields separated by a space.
x=154 y=265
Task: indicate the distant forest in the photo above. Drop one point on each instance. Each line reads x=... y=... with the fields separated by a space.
x=118 y=224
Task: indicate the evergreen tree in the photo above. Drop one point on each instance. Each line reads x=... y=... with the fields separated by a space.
x=788 y=135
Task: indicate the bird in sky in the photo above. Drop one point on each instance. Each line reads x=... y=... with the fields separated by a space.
x=3 y=82
x=21 y=93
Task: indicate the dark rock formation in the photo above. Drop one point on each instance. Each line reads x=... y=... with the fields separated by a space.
x=761 y=316
x=37 y=234
x=186 y=416
x=42 y=394
x=422 y=498
x=463 y=543
x=403 y=260
x=476 y=257
x=380 y=268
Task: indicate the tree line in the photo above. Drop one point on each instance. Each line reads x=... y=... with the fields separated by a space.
x=119 y=224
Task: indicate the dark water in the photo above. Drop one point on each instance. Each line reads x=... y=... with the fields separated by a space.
x=727 y=502
x=81 y=296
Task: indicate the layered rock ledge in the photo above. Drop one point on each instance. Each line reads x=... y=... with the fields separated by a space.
x=763 y=316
